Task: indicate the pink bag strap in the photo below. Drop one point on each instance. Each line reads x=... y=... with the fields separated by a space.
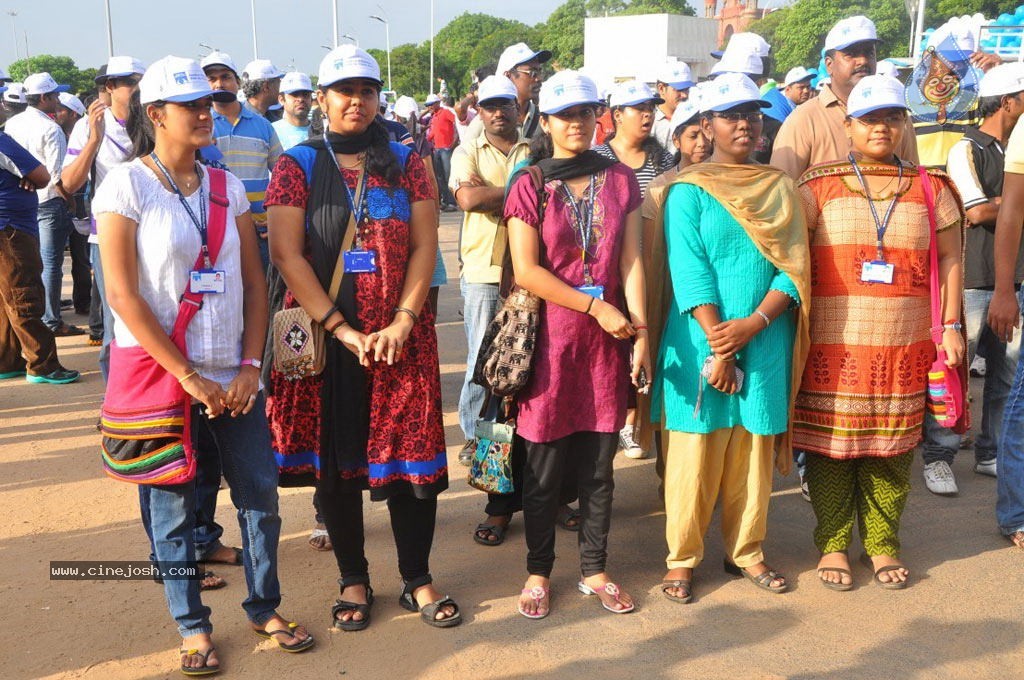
x=191 y=302
x=933 y=254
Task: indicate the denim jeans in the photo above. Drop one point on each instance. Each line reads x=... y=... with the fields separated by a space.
x=108 y=316
x=55 y=227
x=941 y=443
x=479 y=305
x=443 y=169
x=242 y=446
x=1010 y=484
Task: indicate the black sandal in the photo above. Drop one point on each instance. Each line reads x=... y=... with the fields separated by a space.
x=429 y=612
x=205 y=669
x=203 y=588
x=342 y=606
x=295 y=647
x=488 y=530
x=888 y=585
x=838 y=587
x=762 y=580
x=569 y=518
x=236 y=563
x=680 y=584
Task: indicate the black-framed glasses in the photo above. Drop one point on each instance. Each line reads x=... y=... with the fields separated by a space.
x=533 y=72
x=737 y=116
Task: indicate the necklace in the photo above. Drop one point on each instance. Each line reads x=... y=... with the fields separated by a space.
x=359 y=162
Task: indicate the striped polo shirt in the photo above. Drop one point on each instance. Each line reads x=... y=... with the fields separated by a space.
x=251 y=148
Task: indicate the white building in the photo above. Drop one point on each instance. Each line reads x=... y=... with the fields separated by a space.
x=625 y=47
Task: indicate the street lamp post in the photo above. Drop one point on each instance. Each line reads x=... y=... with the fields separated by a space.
x=354 y=39
x=255 y=46
x=14 y=27
x=431 y=46
x=387 y=39
x=334 y=24
x=110 y=31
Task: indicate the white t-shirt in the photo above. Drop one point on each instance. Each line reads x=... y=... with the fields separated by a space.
x=115 y=149
x=168 y=243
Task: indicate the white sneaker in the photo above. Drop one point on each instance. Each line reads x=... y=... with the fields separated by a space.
x=986 y=467
x=629 y=445
x=939 y=479
x=805 y=489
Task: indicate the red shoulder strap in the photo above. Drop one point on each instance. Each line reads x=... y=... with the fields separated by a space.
x=933 y=254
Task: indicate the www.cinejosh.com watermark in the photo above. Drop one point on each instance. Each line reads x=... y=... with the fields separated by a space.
x=123 y=571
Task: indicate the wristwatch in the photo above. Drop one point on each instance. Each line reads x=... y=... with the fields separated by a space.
x=955 y=325
x=255 y=363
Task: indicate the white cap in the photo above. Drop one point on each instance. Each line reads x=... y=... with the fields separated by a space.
x=729 y=90
x=739 y=61
x=676 y=74
x=849 y=32
x=517 y=54
x=955 y=40
x=566 y=89
x=823 y=83
x=5 y=77
x=496 y=87
x=15 y=93
x=296 y=81
x=43 y=83
x=406 y=106
x=886 y=68
x=119 y=67
x=217 y=58
x=70 y=101
x=261 y=69
x=872 y=93
x=631 y=93
x=1001 y=80
x=746 y=42
x=177 y=79
x=432 y=99
x=685 y=112
x=346 y=62
x=796 y=75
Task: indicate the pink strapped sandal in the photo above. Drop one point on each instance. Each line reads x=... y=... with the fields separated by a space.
x=608 y=589
x=537 y=594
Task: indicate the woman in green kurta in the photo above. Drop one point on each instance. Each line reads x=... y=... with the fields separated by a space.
x=736 y=253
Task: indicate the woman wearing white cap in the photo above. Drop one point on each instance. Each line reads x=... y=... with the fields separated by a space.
x=577 y=247
x=164 y=229
x=354 y=206
x=731 y=349
x=861 y=404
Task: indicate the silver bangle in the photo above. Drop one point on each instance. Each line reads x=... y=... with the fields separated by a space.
x=767 y=321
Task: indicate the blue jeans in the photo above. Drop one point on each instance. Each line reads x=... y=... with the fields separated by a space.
x=941 y=443
x=108 y=316
x=1010 y=484
x=443 y=169
x=242 y=445
x=479 y=305
x=55 y=227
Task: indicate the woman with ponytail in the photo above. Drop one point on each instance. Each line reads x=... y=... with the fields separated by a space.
x=352 y=200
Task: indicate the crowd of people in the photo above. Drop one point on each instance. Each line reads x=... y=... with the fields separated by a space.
x=738 y=276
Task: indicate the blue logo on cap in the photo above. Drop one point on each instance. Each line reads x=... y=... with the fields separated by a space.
x=339 y=63
x=181 y=77
x=724 y=89
x=559 y=90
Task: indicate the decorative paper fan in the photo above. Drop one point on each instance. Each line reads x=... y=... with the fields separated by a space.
x=944 y=85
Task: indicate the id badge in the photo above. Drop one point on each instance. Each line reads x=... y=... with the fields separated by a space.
x=876 y=271
x=592 y=291
x=206 y=281
x=360 y=261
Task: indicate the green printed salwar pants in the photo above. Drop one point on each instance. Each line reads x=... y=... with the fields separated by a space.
x=871 y=490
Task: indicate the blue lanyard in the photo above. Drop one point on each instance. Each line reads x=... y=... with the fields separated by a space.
x=199 y=222
x=880 y=226
x=584 y=213
x=357 y=207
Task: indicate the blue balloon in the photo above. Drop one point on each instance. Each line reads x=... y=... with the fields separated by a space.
x=1005 y=20
x=1019 y=13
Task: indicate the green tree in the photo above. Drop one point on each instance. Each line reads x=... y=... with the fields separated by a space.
x=63 y=70
x=658 y=7
x=410 y=68
x=490 y=47
x=563 y=34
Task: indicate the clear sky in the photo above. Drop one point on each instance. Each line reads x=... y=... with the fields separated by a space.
x=288 y=31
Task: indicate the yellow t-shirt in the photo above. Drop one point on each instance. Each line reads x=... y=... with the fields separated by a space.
x=1015 y=150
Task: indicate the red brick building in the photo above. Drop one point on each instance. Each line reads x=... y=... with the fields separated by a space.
x=733 y=16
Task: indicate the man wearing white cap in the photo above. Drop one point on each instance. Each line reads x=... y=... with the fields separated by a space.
x=296 y=99
x=674 y=83
x=524 y=67
x=247 y=139
x=481 y=168
x=976 y=164
x=261 y=83
x=815 y=132
x=442 y=135
x=98 y=143
x=797 y=85
x=69 y=112
x=36 y=131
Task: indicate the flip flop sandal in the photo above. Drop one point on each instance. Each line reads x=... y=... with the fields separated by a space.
x=340 y=606
x=210 y=574
x=1017 y=538
x=429 y=611
x=888 y=585
x=681 y=584
x=320 y=533
x=839 y=587
x=293 y=648
x=567 y=515
x=608 y=589
x=537 y=594
x=762 y=581
x=236 y=563
x=205 y=669
x=489 y=530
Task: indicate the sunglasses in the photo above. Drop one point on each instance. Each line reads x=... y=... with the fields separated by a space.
x=737 y=116
x=125 y=81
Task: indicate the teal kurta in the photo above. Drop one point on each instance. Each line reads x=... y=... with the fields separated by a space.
x=711 y=260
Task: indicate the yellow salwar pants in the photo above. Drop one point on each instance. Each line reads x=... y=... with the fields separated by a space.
x=730 y=463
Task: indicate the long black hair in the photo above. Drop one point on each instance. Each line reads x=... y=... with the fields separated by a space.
x=380 y=159
x=541 y=146
x=140 y=128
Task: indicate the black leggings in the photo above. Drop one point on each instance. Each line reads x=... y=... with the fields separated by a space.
x=412 y=523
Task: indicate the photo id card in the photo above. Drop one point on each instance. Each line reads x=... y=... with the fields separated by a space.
x=206 y=281
x=876 y=271
x=592 y=291
x=360 y=261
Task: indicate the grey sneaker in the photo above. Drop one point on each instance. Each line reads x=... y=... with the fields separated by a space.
x=629 y=445
x=805 y=489
x=466 y=454
x=986 y=467
x=939 y=479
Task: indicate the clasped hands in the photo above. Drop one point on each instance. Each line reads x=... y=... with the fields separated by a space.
x=383 y=345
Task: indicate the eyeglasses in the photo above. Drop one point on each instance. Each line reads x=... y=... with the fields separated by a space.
x=502 y=105
x=737 y=116
x=125 y=81
x=534 y=72
x=894 y=119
